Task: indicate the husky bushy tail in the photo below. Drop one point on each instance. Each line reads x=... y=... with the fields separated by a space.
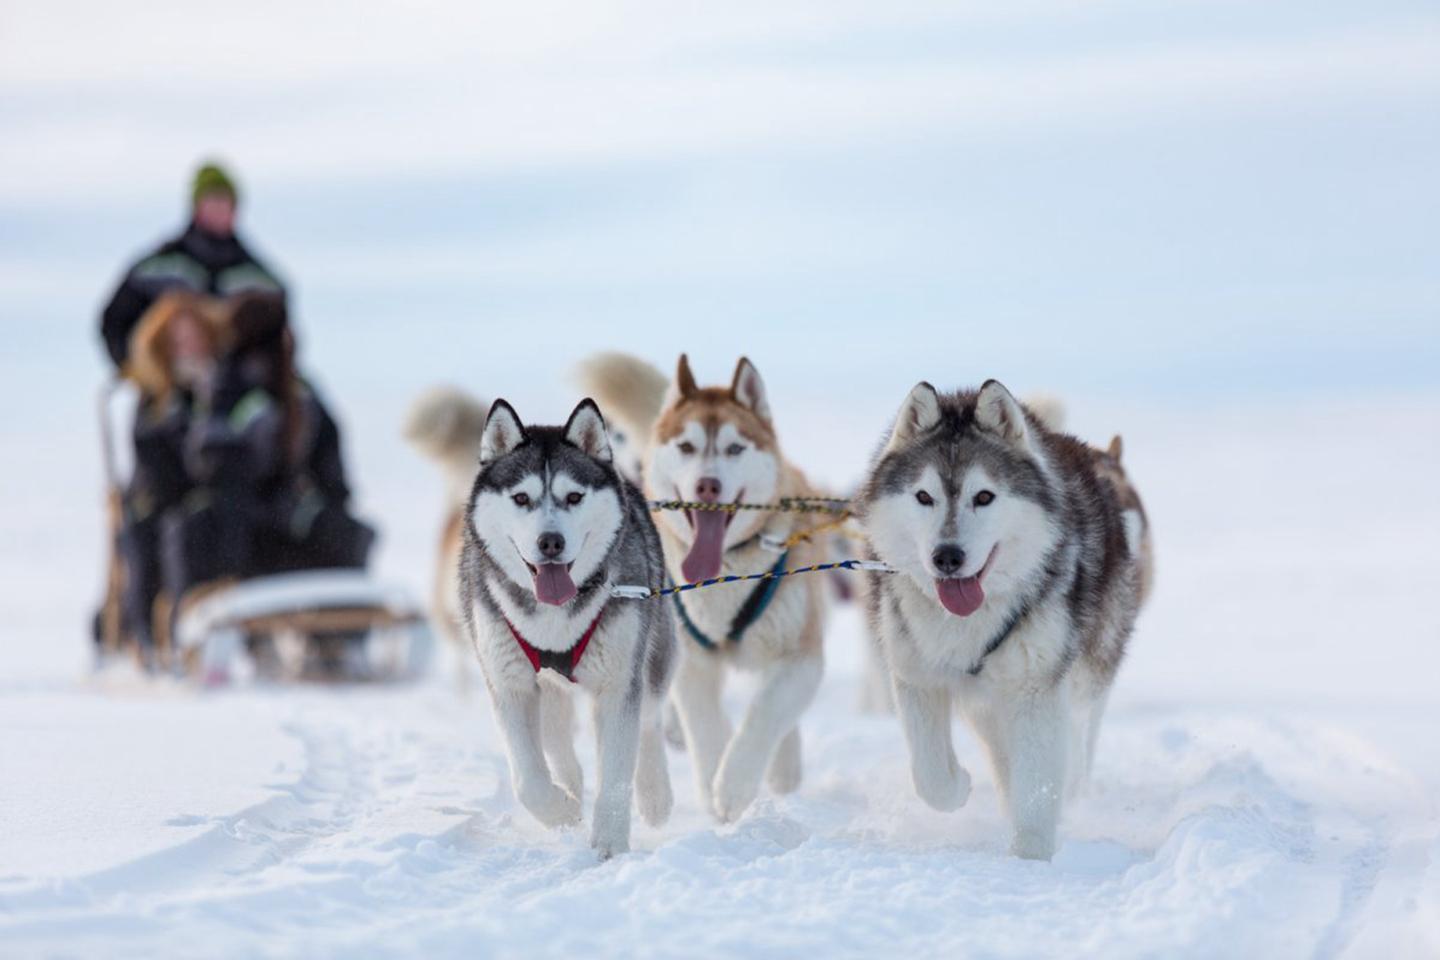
x=445 y=424
x=633 y=389
x=633 y=393
x=1048 y=409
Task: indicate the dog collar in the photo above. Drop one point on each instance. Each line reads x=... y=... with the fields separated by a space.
x=764 y=540
x=562 y=662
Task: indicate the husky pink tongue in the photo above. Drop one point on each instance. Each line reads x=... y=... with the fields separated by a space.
x=961 y=597
x=703 y=560
x=553 y=584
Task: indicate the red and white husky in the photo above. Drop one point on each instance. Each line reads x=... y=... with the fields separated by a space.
x=719 y=445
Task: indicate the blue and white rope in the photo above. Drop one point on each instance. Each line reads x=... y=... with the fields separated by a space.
x=639 y=592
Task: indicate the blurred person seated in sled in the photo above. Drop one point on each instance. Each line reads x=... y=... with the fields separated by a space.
x=173 y=358
x=263 y=453
x=206 y=257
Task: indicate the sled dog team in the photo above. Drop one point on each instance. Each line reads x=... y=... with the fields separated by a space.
x=1016 y=558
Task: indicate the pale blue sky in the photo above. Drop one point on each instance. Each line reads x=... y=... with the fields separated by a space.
x=1124 y=198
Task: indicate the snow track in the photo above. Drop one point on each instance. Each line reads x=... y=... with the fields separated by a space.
x=1208 y=831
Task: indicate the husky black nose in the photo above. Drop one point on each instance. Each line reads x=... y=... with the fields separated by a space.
x=551 y=545
x=707 y=490
x=948 y=559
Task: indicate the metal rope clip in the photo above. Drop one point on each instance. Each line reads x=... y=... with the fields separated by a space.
x=631 y=591
x=879 y=566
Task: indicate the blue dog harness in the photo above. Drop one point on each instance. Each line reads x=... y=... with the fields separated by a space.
x=745 y=617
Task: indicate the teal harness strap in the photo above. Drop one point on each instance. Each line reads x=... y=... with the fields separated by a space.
x=750 y=611
x=695 y=632
x=758 y=600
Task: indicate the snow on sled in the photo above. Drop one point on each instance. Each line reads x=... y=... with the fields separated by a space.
x=324 y=625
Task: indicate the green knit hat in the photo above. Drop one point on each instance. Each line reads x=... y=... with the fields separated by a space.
x=212 y=178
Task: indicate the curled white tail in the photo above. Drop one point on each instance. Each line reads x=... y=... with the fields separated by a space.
x=630 y=391
x=445 y=424
x=1048 y=409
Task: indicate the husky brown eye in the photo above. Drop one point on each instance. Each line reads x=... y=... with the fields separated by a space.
x=925 y=498
x=686 y=447
x=521 y=499
x=984 y=498
x=574 y=498
x=735 y=449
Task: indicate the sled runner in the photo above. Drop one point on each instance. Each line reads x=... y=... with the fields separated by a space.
x=309 y=625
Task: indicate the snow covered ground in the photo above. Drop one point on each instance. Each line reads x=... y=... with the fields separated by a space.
x=1267 y=784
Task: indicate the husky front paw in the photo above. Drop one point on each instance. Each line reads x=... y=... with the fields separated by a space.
x=607 y=847
x=944 y=786
x=785 y=767
x=568 y=775
x=551 y=805
x=784 y=775
x=674 y=731
x=610 y=839
x=734 y=790
x=1033 y=845
x=654 y=797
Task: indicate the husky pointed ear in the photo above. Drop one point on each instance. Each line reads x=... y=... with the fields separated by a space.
x=997 y=411
x=503 y=432
x=586 y=429
x=683 y=387
x=749 y=390
x=919 y=412
x=1116 y=448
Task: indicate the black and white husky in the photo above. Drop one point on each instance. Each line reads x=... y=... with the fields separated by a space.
x=550 y=529
x=1015 y=593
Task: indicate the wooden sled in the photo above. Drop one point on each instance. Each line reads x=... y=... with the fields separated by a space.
x=315 y=625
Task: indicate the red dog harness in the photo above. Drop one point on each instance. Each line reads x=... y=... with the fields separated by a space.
x=562 y=662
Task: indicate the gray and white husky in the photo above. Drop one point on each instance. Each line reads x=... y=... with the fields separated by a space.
x=1015 y=593
x=550 y=529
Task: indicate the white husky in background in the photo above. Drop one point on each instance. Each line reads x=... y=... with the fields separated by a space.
x=1015 y=594
x=719 y=445
x=445 y=424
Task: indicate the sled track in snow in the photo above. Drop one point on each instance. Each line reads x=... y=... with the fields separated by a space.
x=319 y=803
x=1362 y=873
x=400 y=836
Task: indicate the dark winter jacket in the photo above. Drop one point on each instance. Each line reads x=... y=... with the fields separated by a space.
x=241 y=448
x=161 y=479
x=195 y=260
x=266 y=499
